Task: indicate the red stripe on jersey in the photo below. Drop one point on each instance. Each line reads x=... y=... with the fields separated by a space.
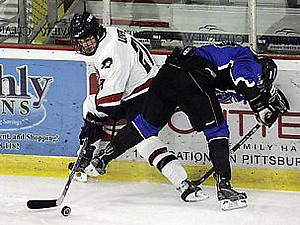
x=143 y=86
x=110 y=98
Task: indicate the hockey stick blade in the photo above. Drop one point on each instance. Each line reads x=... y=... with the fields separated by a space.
x=233 y=150
x=41 y=204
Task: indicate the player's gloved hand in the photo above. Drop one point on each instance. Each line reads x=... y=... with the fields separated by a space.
x=83 y=163
x=86 y=158
x=268 y=105
x=92 y=128
x=266 y=117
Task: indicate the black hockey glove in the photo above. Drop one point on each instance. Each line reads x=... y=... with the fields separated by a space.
x=268 y=105
x=93 y=129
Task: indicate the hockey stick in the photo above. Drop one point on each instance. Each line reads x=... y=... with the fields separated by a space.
x=41 y=204
x=233 y=150
x=113 y=130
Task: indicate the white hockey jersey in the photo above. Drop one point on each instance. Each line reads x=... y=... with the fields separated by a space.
x=124 y=68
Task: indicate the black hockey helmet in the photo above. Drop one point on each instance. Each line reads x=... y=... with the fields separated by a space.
x=83 y=26
x=269 y=69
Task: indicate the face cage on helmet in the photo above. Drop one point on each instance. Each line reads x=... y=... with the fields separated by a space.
x=83 y=50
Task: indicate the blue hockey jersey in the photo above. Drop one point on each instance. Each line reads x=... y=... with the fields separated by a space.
x=243 y=67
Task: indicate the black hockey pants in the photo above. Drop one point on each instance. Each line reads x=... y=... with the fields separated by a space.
x=195 y=95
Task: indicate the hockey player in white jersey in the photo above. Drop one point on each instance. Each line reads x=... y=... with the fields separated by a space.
x=125 y=70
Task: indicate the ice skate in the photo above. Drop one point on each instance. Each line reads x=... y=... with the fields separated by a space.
x=89 y=167
x=96 y=167
x=229 y=198
x=191 y=192
x=100 y=161
x=79 y=176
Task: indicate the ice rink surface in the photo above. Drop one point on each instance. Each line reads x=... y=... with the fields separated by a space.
x=114 y=203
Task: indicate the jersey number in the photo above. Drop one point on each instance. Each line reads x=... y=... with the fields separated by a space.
x=143 y=55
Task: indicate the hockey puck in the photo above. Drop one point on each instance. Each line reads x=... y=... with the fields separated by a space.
x=66 y=211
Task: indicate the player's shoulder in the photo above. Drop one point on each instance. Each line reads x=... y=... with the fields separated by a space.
x=227 y=48
x=111 y=33
x=111 y=30
x=112 y=40
x=118 y=34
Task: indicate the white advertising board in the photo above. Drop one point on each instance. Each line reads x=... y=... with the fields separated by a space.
x=275 y=148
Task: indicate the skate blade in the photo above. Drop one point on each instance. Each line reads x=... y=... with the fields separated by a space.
x=197 y=197
x=227 y=205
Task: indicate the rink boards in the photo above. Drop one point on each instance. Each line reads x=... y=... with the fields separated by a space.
x=41 y=101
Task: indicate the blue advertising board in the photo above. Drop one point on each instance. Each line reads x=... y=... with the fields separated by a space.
x=41 y=106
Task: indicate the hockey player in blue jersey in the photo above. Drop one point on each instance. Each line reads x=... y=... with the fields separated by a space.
x=193 y=79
